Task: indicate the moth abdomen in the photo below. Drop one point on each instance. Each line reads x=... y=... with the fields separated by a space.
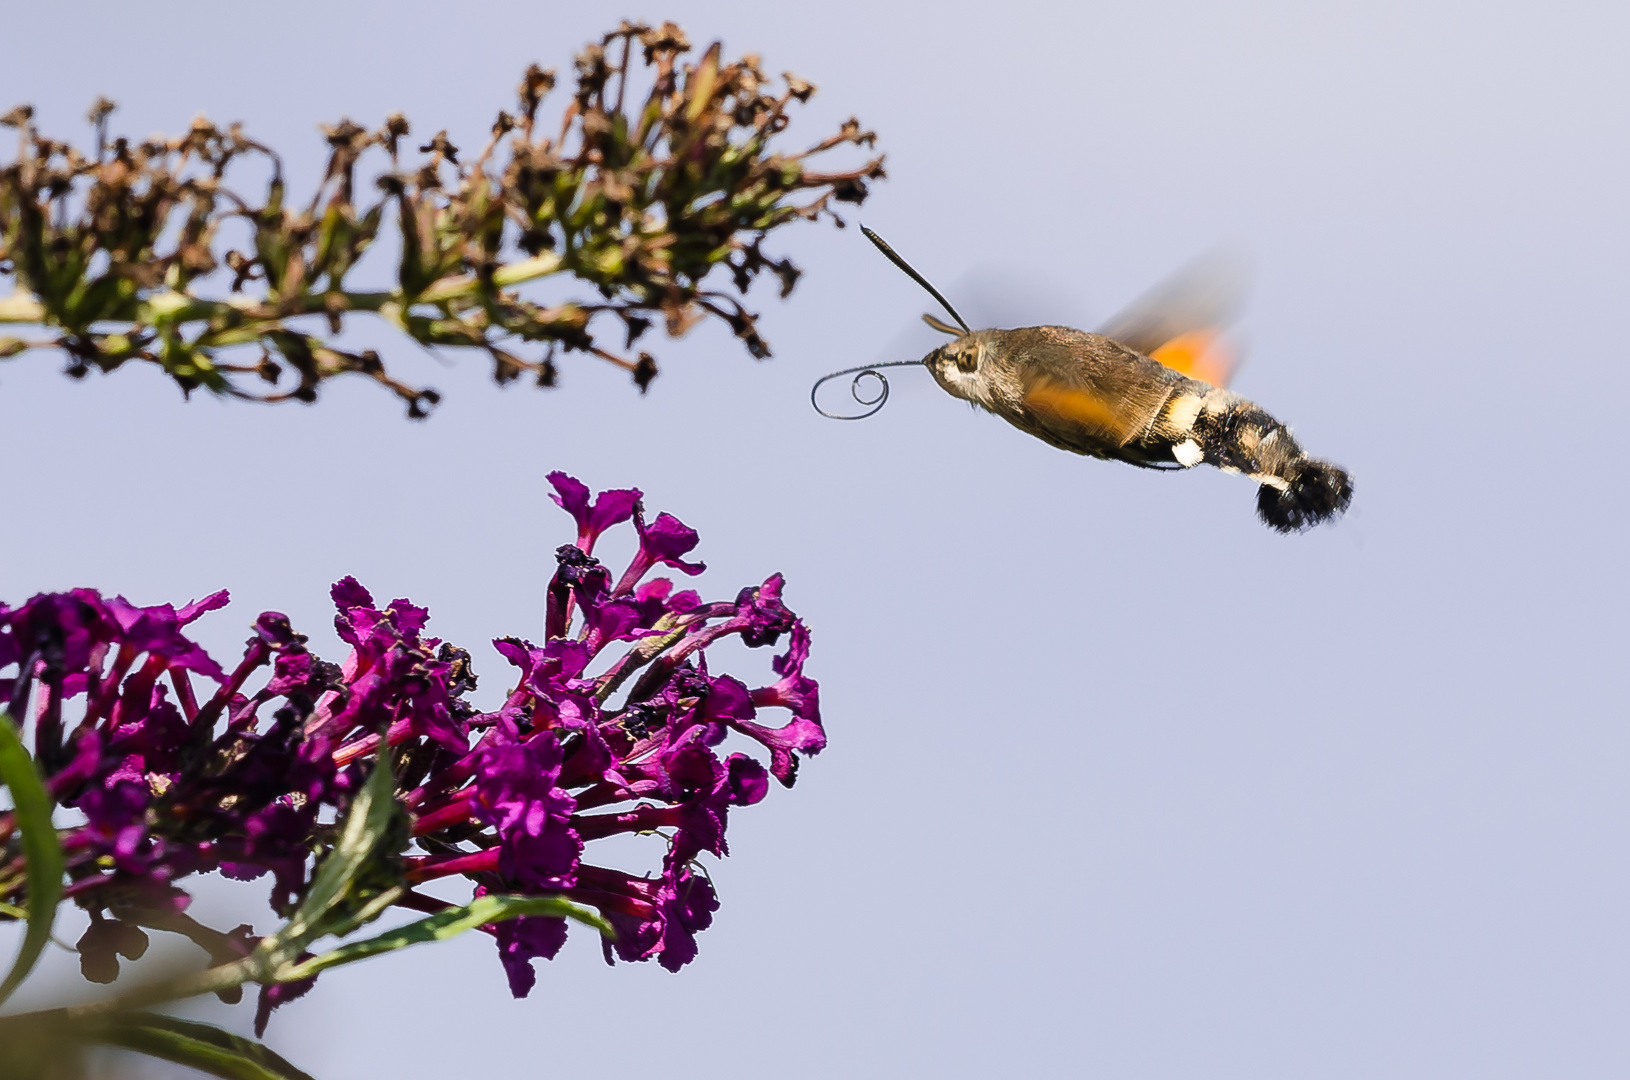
x=1298 y=491
x=1314 y=491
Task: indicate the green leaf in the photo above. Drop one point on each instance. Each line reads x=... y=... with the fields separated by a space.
x=367 y=822
x=40 y=848
x=445 y=924
x=202 y=1046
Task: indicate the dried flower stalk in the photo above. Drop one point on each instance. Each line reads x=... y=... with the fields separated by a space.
x=118 y=255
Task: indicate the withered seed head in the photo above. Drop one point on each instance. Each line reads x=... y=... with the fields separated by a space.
x=653 y=179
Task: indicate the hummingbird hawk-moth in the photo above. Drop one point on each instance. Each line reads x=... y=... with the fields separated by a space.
x=1147 y=389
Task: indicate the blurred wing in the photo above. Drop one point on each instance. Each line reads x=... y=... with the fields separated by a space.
x=1181 y=321
x=1201 y=354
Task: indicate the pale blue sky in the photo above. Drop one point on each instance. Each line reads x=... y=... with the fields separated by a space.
x=1120 y=783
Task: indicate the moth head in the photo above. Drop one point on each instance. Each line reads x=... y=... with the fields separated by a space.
x=961 y=367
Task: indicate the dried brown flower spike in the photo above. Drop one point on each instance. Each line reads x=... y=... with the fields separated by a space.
x=642 y=192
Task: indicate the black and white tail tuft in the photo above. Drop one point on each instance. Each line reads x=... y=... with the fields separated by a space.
x=1317 y=491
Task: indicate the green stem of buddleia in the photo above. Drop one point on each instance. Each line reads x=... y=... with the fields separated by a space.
x=286 y=956
x=175 y=307
x=646 y=651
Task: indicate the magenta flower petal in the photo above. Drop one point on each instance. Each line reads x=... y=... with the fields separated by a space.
x=662 y=542
x=666 y=539
x=765 y=617
x=273 y=995
x=213 y=602
x=784 y=742
x=609 y=508
x=516 y=794
x=347 y=593
x=523 y=940
x=794 y=690
x=687 y=901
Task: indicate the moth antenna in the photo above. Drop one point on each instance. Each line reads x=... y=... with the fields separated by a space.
x=870 y=404
x=941 y=325
x=893 y=257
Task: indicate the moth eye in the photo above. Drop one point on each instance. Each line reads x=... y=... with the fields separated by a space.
x=968 y=361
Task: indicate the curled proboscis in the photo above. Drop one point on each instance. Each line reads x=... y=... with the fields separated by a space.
x=869 y=403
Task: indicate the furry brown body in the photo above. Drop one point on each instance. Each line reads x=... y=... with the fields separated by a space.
x=1092 y=395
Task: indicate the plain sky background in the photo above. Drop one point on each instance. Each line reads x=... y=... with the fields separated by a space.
x=1120 y=783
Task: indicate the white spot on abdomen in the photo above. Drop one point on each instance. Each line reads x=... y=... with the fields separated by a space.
x=1181 y=414
x=1188 y=453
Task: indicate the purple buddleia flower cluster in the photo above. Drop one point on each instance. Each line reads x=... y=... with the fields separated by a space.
x=613 y=725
